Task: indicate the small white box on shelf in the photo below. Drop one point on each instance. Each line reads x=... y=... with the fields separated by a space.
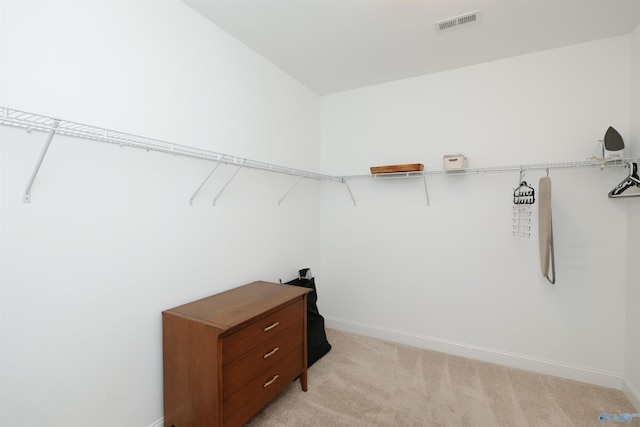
x=454 y=162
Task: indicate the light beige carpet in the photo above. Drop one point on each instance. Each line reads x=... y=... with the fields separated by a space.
x=368 y=382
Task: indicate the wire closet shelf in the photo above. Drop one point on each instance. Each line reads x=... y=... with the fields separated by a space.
x=588 y=163
x=56 y=126
x=31 y=121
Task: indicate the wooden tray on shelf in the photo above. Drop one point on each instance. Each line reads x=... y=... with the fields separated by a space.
x=412 y=167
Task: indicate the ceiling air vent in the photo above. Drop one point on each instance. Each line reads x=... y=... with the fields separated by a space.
x=457 y=21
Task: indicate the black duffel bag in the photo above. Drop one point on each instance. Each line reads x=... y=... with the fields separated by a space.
x=317 y=344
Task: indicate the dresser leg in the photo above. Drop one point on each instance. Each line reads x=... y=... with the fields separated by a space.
x=303 y=380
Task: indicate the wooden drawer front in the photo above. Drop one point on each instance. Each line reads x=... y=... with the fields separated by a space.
x=243 y=340
x=252 y=364
x=243 y=405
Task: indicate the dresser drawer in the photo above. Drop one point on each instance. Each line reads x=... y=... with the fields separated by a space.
x=257 y=361
x=243 y=340
x=240 y=407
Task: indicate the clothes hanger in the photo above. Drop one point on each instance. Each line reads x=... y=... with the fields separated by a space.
x=630 y=186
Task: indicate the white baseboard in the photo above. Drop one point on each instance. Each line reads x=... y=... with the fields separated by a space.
x=631 y=393
x=514 y=360
x=158 y=423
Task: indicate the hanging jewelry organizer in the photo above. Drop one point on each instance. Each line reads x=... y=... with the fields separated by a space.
x=523 y=198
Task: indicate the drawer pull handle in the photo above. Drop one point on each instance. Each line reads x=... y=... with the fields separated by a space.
x=271 y=353
x=271 y=381
x=268 y=328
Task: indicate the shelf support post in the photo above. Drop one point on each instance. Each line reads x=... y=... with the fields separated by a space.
x=350 y=193
x=426 y=191
x=203 y=182
x=228 y=182
x=290 y=190
x=26 y=198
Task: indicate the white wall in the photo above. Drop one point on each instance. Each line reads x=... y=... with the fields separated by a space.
x=450 y=276
x=632 y=339
x=109 y=240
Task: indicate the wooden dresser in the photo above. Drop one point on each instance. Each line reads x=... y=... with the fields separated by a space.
x=228 y=355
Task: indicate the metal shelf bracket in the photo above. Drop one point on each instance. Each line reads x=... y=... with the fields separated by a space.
x=350 y=193
x=290 y=190
x=228 y=182
x=26 y=198
x=203 y=183
x=426 y=191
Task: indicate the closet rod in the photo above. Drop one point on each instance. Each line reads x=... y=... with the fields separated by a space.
x=30 y=121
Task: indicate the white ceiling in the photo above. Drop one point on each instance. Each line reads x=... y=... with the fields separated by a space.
x=336 y=45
